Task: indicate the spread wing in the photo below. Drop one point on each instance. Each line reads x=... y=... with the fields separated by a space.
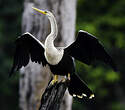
x=87 y=49
x=27 y=47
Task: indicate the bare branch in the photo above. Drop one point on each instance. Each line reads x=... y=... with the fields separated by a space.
x=53 y=96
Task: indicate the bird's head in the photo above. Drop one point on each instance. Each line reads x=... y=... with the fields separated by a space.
x=45 y=12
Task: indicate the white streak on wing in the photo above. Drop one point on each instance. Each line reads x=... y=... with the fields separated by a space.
x=35 y=39
x=91 y=96
x=74 y=95
x=84 y=95
x=80 y=96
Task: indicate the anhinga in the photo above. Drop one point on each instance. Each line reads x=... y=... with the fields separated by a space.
x=86 y=48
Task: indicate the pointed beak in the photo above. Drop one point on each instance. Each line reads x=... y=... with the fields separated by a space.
x=40 y=11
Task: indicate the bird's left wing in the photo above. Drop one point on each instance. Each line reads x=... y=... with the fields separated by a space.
x=27 y=47
x=87 y=49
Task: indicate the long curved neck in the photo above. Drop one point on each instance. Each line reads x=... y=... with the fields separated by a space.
x=49 y=42
x=52 y=55
x=54 y=29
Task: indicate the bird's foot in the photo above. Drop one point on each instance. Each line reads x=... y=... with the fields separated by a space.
x=55 y=80
x=64 y=79
x=69 y=76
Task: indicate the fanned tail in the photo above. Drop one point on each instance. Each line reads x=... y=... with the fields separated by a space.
x=78 y=88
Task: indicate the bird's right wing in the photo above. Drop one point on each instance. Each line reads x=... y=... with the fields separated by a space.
x=27 y=46
x=87 y=49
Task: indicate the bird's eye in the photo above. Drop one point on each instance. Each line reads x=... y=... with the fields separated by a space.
x=45 y=11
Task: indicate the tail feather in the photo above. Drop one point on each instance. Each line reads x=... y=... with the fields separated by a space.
x=78 y=88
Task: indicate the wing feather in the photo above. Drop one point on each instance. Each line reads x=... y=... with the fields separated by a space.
x=27 y=46
x=87 y=49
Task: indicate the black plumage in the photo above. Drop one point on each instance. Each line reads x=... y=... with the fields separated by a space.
x=27 y=47
x=86 y=48
x=79 y=88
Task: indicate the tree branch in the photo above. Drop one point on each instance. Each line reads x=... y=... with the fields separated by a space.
x=53 y=95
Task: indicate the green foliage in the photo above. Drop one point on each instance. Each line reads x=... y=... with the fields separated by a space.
x=117 y=106
x=10 y=26
x=111 y=76
x=103 y=18
x=106 y=20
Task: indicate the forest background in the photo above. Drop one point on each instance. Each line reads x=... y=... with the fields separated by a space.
x=103 y=18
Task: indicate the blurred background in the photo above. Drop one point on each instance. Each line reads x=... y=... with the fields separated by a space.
x=103 y=18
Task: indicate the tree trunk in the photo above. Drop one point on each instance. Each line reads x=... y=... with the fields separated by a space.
x=53 y=96
x=34 y=78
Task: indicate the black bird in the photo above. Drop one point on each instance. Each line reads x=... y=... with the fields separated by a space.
x=86 y=49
